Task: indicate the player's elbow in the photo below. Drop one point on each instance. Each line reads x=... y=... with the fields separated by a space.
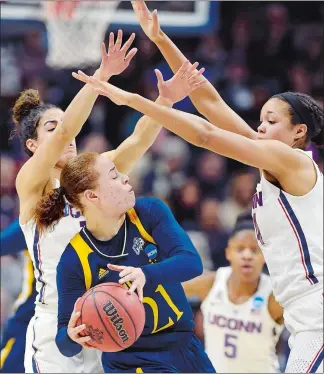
x=205 y=133
x=196 y=266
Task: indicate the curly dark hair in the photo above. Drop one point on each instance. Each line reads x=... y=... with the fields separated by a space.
x=27 y=111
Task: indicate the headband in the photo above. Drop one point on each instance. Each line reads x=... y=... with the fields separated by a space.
x=302 y=113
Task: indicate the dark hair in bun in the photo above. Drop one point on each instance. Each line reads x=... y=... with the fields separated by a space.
x=26 y=113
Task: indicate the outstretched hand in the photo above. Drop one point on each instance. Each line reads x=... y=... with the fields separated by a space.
x=148 y=20
x=116 y=60
x=115 y=94
x=186 y=80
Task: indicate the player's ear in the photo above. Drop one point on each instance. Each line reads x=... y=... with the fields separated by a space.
x=31 y=144
x=90 y=195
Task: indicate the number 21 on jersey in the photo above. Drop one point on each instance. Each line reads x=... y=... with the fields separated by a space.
x=160 y=291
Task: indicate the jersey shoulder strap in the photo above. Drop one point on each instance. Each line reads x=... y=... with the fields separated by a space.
x=83 y=250
x=137 y=222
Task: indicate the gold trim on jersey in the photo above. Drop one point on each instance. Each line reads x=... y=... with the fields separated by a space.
x=83 y=250
x=6 y=350
x=137 y=222
x=27 y=287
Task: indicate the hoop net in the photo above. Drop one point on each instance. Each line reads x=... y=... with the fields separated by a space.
x=75 y=30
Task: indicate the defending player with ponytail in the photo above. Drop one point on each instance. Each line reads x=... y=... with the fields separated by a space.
x=77 y=176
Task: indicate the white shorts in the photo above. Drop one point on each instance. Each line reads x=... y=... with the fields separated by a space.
x=304 y=320
x=43 y=356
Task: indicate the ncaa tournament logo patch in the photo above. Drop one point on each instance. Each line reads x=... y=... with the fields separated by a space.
x=138 y=244
x=257 y=304
x=151 y=252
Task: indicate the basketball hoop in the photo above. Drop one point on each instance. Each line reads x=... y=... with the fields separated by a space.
x=75 y=30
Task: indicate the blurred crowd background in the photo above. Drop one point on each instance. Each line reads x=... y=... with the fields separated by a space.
x=259 y=49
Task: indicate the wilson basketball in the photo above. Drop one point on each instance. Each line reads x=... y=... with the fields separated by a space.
x=114 y=319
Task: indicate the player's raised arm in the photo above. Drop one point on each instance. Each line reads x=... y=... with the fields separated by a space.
x=186 y=80
x=35 y=173
x=274 y=156
x=206 y=99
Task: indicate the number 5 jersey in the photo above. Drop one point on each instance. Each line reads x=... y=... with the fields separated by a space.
x=240 y=338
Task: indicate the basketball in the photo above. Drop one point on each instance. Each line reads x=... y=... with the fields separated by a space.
x=114 y=319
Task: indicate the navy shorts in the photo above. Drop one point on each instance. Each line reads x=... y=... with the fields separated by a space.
x=13 y=347
x=189 y=359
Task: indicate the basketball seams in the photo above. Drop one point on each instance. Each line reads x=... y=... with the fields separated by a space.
x=125 y=309
x=94 y=302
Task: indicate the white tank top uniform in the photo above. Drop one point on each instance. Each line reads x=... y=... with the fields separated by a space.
x=240 y=338
x=42 y=354
x=289 y=230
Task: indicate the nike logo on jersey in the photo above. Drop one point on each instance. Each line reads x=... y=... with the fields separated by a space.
x=102 y=272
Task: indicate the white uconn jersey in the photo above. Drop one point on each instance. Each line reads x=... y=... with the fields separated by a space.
x=240 y=338
x=46 y=250
x=289 y=230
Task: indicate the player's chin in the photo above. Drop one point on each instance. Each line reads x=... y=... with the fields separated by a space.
x=131 y=198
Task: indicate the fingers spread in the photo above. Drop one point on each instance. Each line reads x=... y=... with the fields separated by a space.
x=111 y=47
x=119 y=39
x=159 y=76
x=128 y=43
x=184 y=67
x=103 y=50
x=130 y=55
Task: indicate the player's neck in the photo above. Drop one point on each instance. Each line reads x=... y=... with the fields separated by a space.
x=102 y=227
x=238 y=290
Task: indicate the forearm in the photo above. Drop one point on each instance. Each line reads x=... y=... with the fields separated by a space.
x=179 y=268
x=190 y=127
x=78 y=111
x=206 y=98
x=175 y=58
x=143 y=137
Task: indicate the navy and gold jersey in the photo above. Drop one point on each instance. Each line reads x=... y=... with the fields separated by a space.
x=149 y=238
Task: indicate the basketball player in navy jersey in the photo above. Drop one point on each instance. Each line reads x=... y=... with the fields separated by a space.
x=143 y=245
x=14 y=337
